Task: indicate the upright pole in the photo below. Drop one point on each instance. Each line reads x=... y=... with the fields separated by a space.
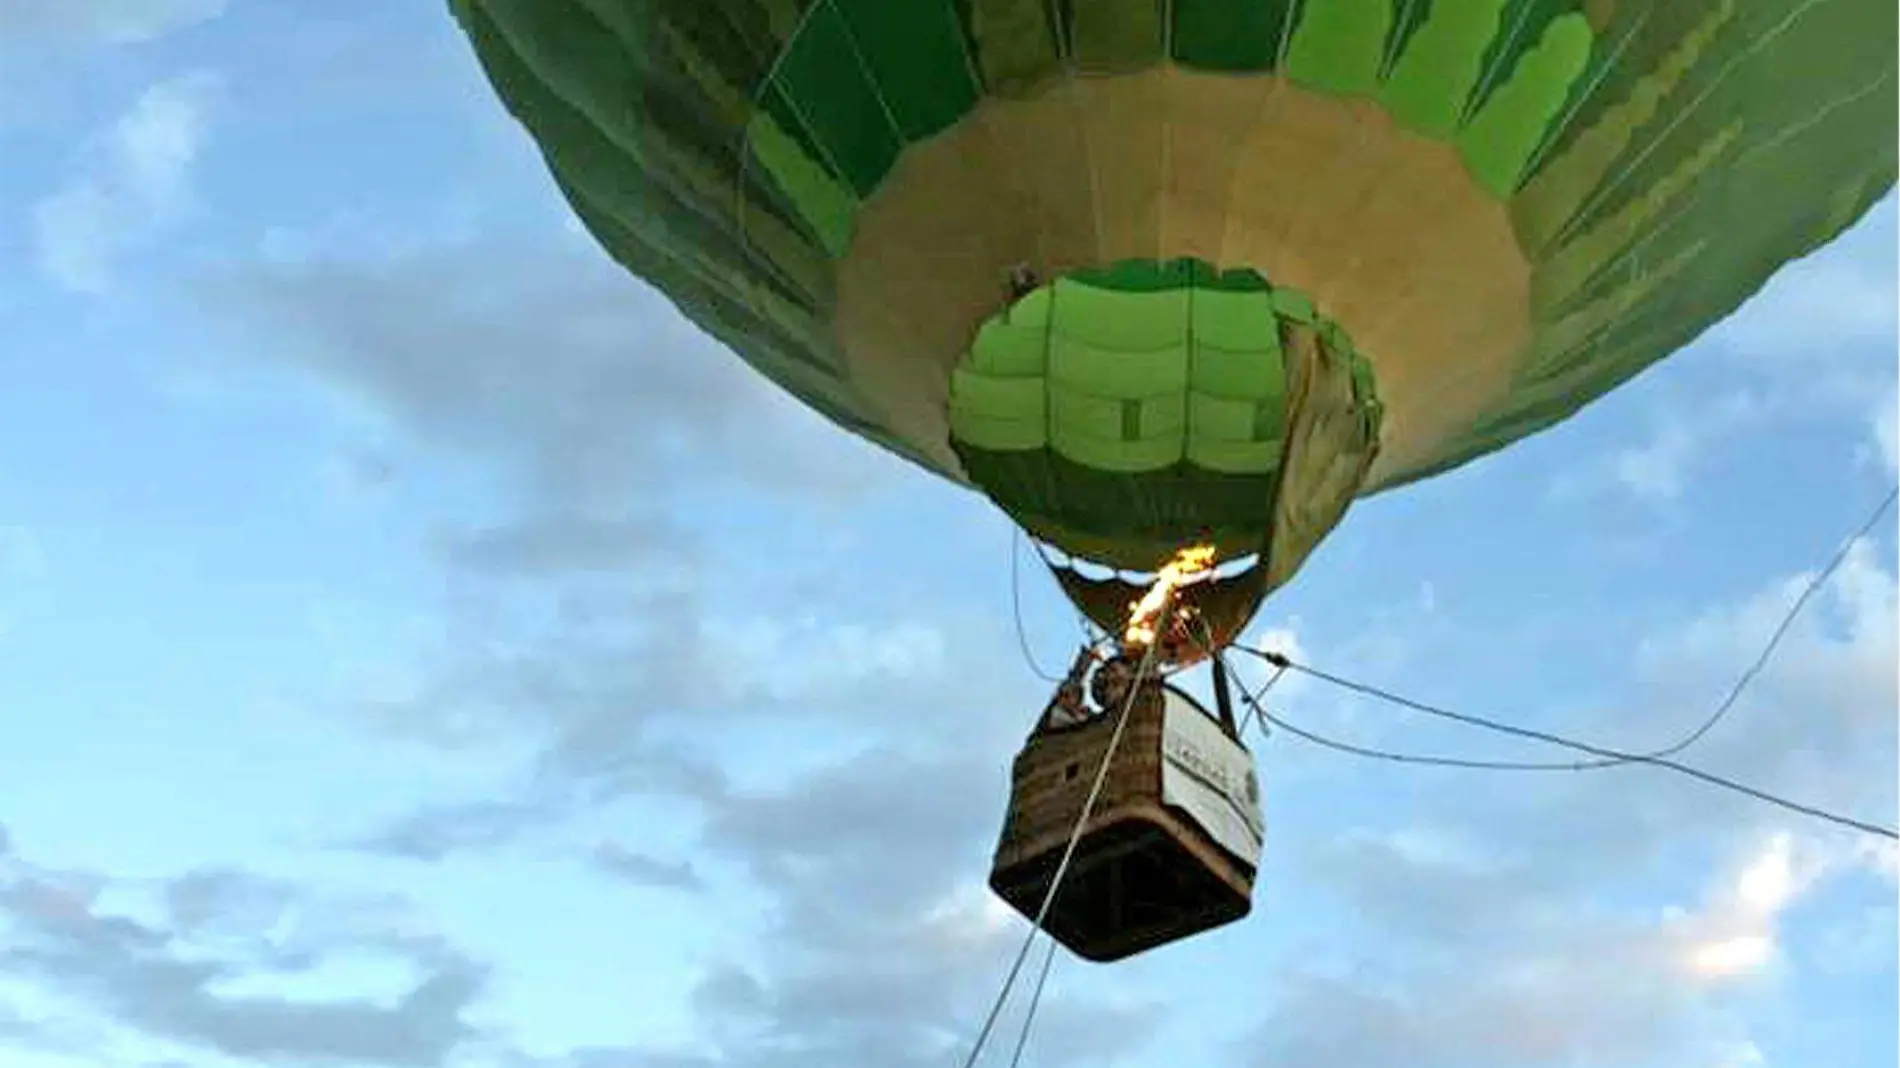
x=1223 y=697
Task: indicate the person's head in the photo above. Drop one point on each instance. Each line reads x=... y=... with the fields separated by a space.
x=1113 y=680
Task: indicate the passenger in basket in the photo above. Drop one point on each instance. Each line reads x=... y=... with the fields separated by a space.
x=1112 y=683
x=1068 y=708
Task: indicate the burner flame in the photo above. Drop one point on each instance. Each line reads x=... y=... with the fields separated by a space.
x=1189 y=566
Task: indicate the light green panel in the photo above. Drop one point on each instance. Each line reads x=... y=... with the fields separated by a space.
x=1295 y=305
x=1172 y=374
x=1129 y=322
x=1441 y=64
x=1234 y=457
x=1032 y=310
x=1163 y=416
x=1221 y=419
x=1114 y=373
x=823 y=202
x=1146 y=448
x=999 y=435
x=1499 y=141
x=1004 y=398
x=1237 y=321
x=1552 y=198
x=1339 y=44
x=1010 y=350
x=1253 y=376
x=1078 y=411
x=1117 y=454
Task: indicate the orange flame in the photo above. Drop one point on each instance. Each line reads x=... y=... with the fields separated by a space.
x=1189 y=566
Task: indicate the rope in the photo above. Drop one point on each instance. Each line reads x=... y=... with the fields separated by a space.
x=1035 y=999
x=1068 y=854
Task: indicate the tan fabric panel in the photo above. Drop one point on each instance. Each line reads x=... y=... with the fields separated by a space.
x=1326 y=460
x=1382 y=227
x=1040 y=147
x=1202 y=163
x=1126 y=124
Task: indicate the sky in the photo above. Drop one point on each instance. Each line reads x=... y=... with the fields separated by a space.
x=421 y=648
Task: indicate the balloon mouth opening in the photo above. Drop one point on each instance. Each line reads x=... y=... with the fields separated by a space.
x=1096 y=571
x=1220 y=601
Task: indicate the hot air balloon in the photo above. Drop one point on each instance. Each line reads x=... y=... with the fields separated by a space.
x=1156 y=275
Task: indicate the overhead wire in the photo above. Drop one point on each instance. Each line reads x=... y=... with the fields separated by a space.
x=1722 y=709
x=1254 y=708
x=1747 y=678
x=1615 y=756
x=1604 y=757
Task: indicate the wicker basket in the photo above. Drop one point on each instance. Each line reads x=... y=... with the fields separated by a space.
x=1144 y=873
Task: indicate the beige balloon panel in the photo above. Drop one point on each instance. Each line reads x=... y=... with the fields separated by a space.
x=1382 y=227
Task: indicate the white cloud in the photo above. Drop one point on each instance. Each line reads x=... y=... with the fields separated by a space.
x=1887 y=434
x=1485 y=957
x=970 y=918
x=1836 y=664
x=1527 y=921
x=1816 y=340
x=159 y=138
x=810 y=658
x=1841 y=297
x=1285 y=641
x=111 y=21
x=137 y=184
x=1655 y=469
x=1736 y=934
x=1659 y=469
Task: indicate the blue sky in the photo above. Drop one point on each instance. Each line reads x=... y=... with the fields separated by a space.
x=386 y=680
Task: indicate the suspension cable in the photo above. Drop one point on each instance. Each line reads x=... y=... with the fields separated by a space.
x=1016 y=606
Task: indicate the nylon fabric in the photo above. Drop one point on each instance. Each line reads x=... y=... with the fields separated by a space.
x=1143 y=415
x=1513 y=205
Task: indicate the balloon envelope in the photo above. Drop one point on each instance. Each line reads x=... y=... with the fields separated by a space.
x=1285 y=253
